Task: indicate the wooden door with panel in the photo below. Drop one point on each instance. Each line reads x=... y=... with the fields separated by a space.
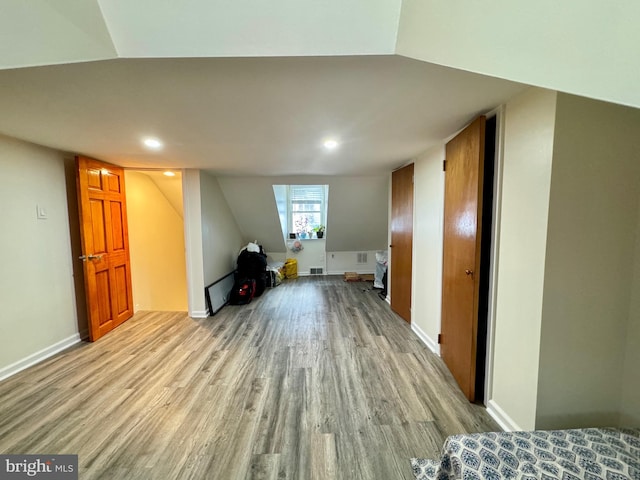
x=105 y=244
x=461 y=253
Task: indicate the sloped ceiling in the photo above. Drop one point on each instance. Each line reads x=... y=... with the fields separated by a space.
x=45 y=32
x=256 y=116
x=170 y=187
x=583 y=47
x=258 y=86
x=249 y=28
x=42 y=32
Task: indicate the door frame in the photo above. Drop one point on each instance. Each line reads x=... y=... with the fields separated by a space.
x=499 y=114
x=197 y=305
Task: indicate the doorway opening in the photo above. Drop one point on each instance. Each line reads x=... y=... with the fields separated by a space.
x=485 y=255
x=156 y=240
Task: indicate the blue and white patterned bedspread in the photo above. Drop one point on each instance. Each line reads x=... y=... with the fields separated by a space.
x=590 y=454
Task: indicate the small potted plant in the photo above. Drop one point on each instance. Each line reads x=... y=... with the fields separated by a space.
x=319 y=231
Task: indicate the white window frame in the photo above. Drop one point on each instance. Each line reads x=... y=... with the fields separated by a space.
x=322 y=190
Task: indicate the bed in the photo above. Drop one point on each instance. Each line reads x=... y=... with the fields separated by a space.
x=590 y=454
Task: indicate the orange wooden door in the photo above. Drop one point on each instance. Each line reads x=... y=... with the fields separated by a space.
x=401 y=240
x=461 y=253
x=105 y=245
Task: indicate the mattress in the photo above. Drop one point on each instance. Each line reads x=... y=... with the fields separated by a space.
x=590 y=454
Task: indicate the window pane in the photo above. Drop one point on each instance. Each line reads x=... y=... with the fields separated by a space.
x=307 y=207
x=307 y=193
x=305 y=222
x=297 y=207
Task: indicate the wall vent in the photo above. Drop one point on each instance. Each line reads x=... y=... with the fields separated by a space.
x=316 y=271
x=362 y=257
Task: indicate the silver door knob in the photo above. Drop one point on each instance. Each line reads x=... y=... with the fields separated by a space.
x=468 y=272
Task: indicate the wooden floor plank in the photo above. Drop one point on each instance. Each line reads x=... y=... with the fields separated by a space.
x=315 y=379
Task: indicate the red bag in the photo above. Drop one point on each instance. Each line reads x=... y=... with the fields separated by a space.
x=243 y=292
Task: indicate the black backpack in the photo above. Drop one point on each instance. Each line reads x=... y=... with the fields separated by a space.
x=251 y=264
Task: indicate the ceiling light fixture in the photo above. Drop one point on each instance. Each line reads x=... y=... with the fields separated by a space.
x=152 y=143
x=169 y=174
x=330 y=144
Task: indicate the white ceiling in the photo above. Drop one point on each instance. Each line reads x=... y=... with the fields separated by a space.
x=238 y=116
x=260 y=83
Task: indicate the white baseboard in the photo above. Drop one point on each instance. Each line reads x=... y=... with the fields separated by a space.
x=426 y=339
x=199 y=314
x=501 y=417
x=39 y=356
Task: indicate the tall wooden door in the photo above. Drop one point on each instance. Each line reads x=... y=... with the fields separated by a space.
x=461 y=253
x=105 y=245
x=401 y=240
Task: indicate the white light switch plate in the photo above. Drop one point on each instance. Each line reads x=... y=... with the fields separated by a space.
x=42 y=212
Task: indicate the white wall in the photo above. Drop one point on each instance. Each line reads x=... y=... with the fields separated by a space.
x=156 y=243
x=193 y=240
x=582 y=47
x=589 y=270
x=340 y=262
x=36 y=279
x=221 y=237
x=528 y=149
x=427 y=246
x=357 y=216
x=312 y=255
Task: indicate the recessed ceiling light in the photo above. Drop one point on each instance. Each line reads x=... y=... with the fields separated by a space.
x=169 y=173
x=330 y=144
x=152 y=143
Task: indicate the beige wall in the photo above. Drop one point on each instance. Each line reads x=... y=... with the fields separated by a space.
x=221 y=237
x=36 y=274
x=630 y=402
x=589 y=269
x=156 y=242
x=528 y=148
x=427 y=245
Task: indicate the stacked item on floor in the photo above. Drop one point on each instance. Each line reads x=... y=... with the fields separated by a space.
x=275 y=274
x=291 y=268
x=250 y=275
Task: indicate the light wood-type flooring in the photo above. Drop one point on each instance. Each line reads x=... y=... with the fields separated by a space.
x=316 y=379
